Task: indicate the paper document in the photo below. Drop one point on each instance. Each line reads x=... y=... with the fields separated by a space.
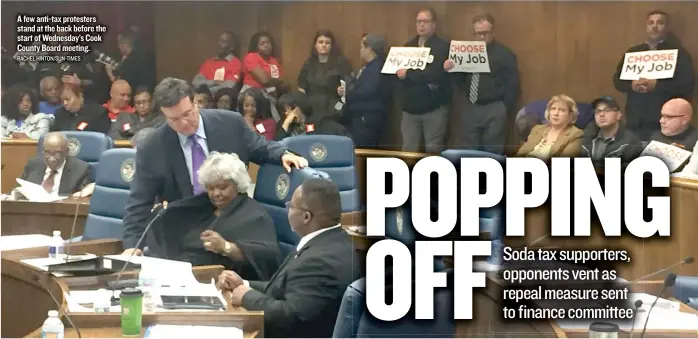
x=167 y=272
x=672 y=156
x=35 y=193
x=358 y=229
x=184 y=331
x=43 y=263
x=16 y=242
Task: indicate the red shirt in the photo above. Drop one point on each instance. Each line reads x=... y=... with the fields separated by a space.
x=254 y=60
x=233 y=68
x=266 y=128
x=113 y=114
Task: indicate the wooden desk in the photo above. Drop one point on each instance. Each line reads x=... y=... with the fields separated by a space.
x=25 y=217
x=24 y=293
x=15 y=154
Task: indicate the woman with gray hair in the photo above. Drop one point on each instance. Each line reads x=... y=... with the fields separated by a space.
x=224 y=226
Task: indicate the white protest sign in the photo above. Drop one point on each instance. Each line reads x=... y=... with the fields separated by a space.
x=406 y=58
x=469 y=57
x=673 y=156
x=650 y=65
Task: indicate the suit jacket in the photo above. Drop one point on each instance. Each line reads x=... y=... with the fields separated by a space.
x=568 y=143
x=162 y=174
x=133 y=121
x=76 y=174
x=302 y=298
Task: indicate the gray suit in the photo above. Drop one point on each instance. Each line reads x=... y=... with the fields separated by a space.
x=76 y=174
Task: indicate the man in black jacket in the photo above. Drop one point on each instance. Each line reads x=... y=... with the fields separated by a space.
x=424 y=93
x=302 y=298
x=646 y=97
x=612 y=139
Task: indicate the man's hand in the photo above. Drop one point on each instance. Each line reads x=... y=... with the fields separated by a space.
x=72 y=79
x=639 y=86
x=238 y=293
x=128 y=251
x=401 y=73
x=213 y=242
x=163 y=204
x=650 y=85
x=448 y=65
x=85 y=192
x=289 y=160
x=228 y=281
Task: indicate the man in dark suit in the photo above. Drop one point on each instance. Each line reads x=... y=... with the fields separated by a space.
x=302 y=298
x=58 y=172
x=167 y=165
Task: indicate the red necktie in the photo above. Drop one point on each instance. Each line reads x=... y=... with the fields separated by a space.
x=48 y=183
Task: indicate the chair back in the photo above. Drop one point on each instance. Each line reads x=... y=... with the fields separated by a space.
x=333 y=155
x=86 y=146
x=112 y=188
x=274 y=188
x=686 y=290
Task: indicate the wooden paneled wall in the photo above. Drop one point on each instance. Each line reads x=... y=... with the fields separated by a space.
x=562 y=47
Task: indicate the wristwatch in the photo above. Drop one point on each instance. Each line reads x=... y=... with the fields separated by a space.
x=228 y=247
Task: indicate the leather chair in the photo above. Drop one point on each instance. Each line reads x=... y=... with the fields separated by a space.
x=112 y=187
x=686 y=290
x=333 y=155
x=274 y=189
x=86 y=146
x=354 y=320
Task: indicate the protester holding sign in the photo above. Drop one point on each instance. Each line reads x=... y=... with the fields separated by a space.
x=489 y=95
x=424 y=93
x=676 y=129
x=645 y=96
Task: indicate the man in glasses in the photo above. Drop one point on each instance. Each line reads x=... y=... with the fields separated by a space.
x=59 y=173
x=488 y=96
x=613 y=140
x=302 y=298
x=676 y=126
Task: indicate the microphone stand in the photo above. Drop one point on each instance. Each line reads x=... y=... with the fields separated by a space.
x=668 y=282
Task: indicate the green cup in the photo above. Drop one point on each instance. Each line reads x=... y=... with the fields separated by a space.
x=131 y=311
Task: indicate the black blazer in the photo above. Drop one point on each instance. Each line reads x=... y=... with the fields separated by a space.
x=76 y=174
x=302 y=298
x=94 y=115
x=162 y=174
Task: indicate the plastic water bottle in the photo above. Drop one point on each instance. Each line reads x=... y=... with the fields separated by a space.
x=146 y=282
x=102 y=303
x=57 y=247
x=53 y=326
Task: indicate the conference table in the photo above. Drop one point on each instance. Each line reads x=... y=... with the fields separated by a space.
x=25 y=217
x=27 y=296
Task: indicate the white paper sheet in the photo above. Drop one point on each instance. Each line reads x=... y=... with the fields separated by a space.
x=35 y=193
x=16 y=242
x=167 y=272
x=184 y=331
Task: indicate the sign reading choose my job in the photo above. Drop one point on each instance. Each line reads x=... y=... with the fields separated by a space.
x=652 y=65
x=407 y=58
x=469 y=57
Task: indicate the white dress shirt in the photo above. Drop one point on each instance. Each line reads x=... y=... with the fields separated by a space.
x=56 y=178
x=186 y=146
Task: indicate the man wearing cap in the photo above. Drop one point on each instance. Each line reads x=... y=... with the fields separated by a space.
x=676 y=129
x=613 y=140
x=368 y=94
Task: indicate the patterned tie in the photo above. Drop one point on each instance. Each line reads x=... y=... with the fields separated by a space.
x=49 y=182
x=474 y=84
x=197 y=158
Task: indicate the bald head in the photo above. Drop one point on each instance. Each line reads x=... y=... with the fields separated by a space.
x=676 y=116
x=120 y=94
x=55 y=148
x=50 y=89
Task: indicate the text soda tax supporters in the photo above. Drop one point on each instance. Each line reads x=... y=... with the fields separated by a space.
x=575 y=256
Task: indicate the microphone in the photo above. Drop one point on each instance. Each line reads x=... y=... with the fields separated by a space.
x=115 y=285
x=687 y=260
x=638 y=304
x=41 y=282
x=537 y=241
x=668 y=282
x=72 y=233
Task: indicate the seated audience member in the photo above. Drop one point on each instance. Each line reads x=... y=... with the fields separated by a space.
x=321 y=73
x=368 y=94
x=303 y=297
x=612 y=140
x=676 y=126
x=222 y=71
x=20 y=114
x=226 y=98
x=58 y=172
x=260 y=67
x=645 y=97
x=559 y=137
x=224 y=226
x=128 y=124
x=299 y=118
x=141 y=136
x=50 y=89
x=256 y=110
x=136 y=66
x=203 y=97
x=120 y=96
x=535 y=111
x=78 y=114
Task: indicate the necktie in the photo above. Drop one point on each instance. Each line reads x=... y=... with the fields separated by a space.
x=474 y=84
x=197 y=158
x=48 y=183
